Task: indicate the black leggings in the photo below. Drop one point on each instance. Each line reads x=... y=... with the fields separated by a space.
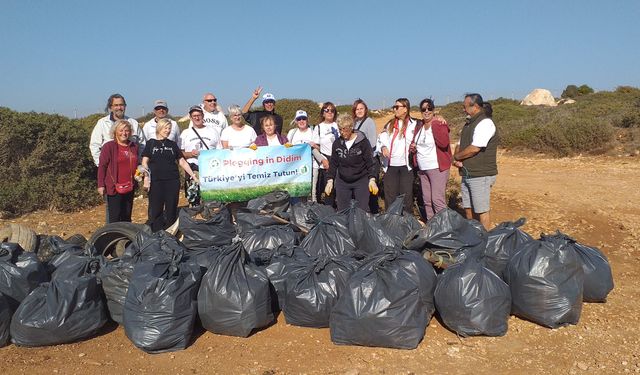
x=398 y=180
x=163 y=203
x=119 y=207
x=358 y=190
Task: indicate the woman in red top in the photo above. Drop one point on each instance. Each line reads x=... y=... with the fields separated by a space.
x=116 y=168
x=432 y=153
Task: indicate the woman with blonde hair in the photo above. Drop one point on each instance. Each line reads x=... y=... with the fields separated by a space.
x=237 y=135
x=269 y=137
x=116 y=167
x=351 y=166
x=161 y=157
x=394 y=143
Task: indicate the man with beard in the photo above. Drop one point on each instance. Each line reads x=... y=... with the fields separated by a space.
x=102 y=132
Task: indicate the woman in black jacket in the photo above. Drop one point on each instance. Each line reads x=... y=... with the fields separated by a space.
x=351 y=166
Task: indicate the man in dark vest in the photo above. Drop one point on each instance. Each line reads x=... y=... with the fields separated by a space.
x=475 y=157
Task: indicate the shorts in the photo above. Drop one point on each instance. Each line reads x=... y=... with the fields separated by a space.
x=476 y=193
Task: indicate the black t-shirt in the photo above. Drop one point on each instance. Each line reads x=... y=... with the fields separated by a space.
x=162 y=159
x=253 y=118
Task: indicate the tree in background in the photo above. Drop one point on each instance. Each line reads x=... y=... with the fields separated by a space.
x=573 y=91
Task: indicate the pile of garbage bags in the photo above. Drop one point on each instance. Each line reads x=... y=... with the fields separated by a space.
x=370 y=279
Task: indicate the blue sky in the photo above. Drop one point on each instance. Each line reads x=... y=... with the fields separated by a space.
x=68 y=56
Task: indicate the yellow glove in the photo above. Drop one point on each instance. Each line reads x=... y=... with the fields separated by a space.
x=328 y=187
x=253 y=147
x=373 y=188
x=287 y=145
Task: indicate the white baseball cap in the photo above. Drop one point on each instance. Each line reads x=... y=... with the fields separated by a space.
x=300 y=113
x=268 y=97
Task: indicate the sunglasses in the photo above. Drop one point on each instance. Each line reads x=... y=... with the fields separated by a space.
x=211 y=100
x=329 y=110
x=301 y=119
x=395 y=107
x=425 y=109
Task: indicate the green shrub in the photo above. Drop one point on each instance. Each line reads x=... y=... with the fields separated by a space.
x=584 y=90
x=44 y=163
x=573 y=91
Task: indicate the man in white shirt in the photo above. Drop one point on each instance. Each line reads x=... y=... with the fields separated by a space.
x=102 y=132
x=213 y=118
x=193 y=140
x=161 y=110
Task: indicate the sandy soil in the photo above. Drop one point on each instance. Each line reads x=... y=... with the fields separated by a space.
x=590 y=198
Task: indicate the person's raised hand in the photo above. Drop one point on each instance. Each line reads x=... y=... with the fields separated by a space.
x=256 y=92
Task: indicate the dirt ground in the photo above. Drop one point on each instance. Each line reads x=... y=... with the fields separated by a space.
x=591 y=198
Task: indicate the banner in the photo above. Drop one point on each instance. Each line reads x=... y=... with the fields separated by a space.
x=243 y=174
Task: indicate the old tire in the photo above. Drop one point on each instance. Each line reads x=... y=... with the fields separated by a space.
x=112 y=238
x=20 y=234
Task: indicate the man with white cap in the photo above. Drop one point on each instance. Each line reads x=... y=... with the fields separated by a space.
x=161 y=110
x=194 y=140
x=213 y=118
x=254 y=117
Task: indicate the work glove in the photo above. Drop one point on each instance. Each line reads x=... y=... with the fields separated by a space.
x=373 y=188
x=328 y=187
x=253 y=147
x=146 y=183
x=287 y=145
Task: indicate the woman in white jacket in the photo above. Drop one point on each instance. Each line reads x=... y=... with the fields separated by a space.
x=394 y=143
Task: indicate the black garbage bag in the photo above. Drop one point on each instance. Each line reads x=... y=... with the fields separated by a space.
x=247 y=219
x=69 y=308
x=58 y=251
x=5 y=320
x=472 y=300
x=598 y=280
x=20 y=272
x=270 y=238
x=283 y=261
x=329 y=237
x=276 y=201
x=307 y=214
x=447 y=230
x=546 y=281
x=368 y=236
x=154 y=247
x=311 y=293
x=161 y=307
x=387 y=302
x=50 y=247
x=502 y=242
x=115 y=275
x=216 y=230
x=202 y=258
x=234 y=298
x=396 y=224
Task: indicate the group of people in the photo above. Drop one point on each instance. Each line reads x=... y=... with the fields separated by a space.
x=348 y=153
